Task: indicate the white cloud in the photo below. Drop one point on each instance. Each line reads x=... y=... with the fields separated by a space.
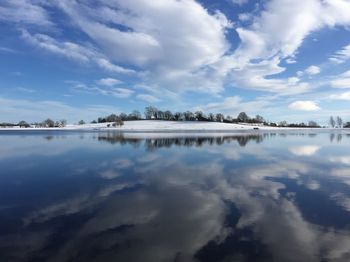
x=76 y=52
x=6 y=50
x=244 y=17
x=118 y=92
x=148 y=98
x=290 y=61
x=342 y=96
x=304 y=106
x=109 y=81
x=254 y=76
x=276 y=35
x=284 y=24
x=24 y=12
x=313 y=70
x=239 y=2
x=181 y=46
x=26 y=90
x=172 y=43
x=342 y=81
x=342 y=55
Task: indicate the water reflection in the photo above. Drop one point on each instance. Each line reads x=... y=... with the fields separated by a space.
x=306 y=150
x=336 y=137
x=197 y=198
x=173 y=140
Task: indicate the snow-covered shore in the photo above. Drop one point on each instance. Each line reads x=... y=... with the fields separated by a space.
x=163 y=126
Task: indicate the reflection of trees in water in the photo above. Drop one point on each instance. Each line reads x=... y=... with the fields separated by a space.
x=153 y=143
x=118 y=138
x=336 y=137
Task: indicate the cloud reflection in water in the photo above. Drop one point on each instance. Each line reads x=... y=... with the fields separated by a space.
x=166 y=197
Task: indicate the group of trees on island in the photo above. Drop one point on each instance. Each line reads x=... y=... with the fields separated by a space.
x=153 y=113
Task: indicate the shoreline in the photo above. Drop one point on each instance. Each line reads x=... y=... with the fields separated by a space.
x=159 y=126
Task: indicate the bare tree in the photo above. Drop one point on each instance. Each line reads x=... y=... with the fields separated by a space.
x=219 y=117
x=211 y=117
x=135 y=115
x=23 y=124
x=200 y=116
x=118 y=123
x=111 y=118
x=188 y=116
x=283 y=123
x=48 y=123
x=242 y=117
x=339 y=122
x=151 y=112
x=122 y=116
x=312 y=124
x=178 y=116
x=168 y=115
x=332 y=122
x=63 y=123
x=228 y=118
x=259 y=119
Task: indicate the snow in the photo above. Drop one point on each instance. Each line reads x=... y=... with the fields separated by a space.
x=154 y=125
x=162 y=126
x=159 y=125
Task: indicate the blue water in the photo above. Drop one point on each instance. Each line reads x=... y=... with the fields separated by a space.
x=80 y=196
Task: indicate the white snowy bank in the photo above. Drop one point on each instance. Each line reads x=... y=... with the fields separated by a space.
x=160 y=125
x=164 y=126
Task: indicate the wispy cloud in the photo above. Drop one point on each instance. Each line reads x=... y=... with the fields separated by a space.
x=343 y=96
x=118 y=92
x=4 y=49
x=341 y=55
x=25 y=12
x=109 y=81
x=342 y=80
x=26 y=90
x=313 y=70
x=76 y=52
x=148 y=98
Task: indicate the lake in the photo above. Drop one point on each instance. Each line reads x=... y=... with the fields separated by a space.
x=90 y=196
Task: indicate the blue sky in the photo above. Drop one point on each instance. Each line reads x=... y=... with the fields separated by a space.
x=283 y=59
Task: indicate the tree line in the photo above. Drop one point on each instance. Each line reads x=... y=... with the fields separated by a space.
x=46 y=123
x=153 y=113
x=338 y=122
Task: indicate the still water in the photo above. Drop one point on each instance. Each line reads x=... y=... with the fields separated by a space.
x=70 y=196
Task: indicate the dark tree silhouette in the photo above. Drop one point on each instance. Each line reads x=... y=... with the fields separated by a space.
x=23 y=124
x=243 y=117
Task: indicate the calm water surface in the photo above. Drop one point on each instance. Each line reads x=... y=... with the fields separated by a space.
x=166 y=197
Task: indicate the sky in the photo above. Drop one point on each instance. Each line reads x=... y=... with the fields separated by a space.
x=81 y=59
